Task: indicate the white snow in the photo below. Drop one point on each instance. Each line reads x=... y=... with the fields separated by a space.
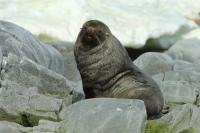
x=132 y=21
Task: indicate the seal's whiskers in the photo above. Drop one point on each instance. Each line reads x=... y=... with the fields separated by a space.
x=97 y=38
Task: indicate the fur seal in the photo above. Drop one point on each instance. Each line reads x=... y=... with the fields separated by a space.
x=107 y=70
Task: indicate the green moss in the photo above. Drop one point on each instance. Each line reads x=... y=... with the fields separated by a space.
x=156 y=127
x=152 y=43
x=190 y=130
x=46 y=37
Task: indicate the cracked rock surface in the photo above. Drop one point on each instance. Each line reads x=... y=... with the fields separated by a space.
x=27 y=97
x=72 y=73
x=178 y=75
x=33 y=86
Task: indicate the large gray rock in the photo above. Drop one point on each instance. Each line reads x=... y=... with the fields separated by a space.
x=71 y=71
x=154 y=63
x=27 y=73
x=26 y=106
x=182 y=119
x=30 y=92
x=16 y=40
x=104 y=115
x=187 y=50
x=9 y=127
x=179 y=92
x=179 y=86
x=33 y=86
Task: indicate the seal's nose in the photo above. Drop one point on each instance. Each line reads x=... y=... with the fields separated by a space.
x=90 y=30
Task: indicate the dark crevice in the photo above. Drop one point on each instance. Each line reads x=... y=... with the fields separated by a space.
x=25 y=121
x=197 y=98
x=71 y=92
x=163 y=77
x=151 y=45
x=57 y=112
x=135 y=53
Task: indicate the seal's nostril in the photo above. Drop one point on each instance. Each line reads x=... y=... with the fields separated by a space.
x=89 y=30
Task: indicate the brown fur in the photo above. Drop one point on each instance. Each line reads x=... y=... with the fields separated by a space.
x=107 y=70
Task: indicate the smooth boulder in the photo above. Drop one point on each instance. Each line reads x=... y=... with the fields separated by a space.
x=154 y=63
x=104 y=115
x=15 y=39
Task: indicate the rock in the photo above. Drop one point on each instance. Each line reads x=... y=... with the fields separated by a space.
x=182 y=119
x=27 y=73
x=154 y=63
x=49 y=126
x=188 y=76
x=9 y=127
x=67 y=50
x=104 y=115
x=71 y=72
x=44 y=126
x=18 y=41
x=180 y=65
x=179 y=86
x=26 y=106
x=179 y=92
x=187 y=50
x=30 y=92
x=14 y=39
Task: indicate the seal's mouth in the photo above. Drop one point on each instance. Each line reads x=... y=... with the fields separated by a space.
x=90 y=36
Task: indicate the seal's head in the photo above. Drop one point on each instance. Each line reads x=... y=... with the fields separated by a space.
x=93 y=33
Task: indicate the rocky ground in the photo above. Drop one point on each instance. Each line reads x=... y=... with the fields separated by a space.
x=41 y=90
